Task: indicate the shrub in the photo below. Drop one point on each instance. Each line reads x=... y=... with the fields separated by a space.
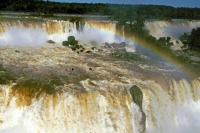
x=65 y=43
x=71 y=39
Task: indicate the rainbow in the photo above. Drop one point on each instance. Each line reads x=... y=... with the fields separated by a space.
x=165 y=55
x=107 y=29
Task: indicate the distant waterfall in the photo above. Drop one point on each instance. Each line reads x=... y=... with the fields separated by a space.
x=172 y=29
x=57 y=31
x=99 y=31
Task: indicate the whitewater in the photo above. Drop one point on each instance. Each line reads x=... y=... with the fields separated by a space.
x=95 y=96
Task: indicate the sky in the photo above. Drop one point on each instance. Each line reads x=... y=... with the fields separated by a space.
x=174 y=3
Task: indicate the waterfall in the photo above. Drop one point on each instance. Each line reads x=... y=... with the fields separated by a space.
x=12 y=32
x=173 y=110
x=123 y=32
x=70 y=111
x=103 y=110
x=39 y=93
x=172 y=29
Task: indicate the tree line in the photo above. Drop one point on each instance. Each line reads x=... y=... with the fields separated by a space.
x=115 y=10
x=192 y=40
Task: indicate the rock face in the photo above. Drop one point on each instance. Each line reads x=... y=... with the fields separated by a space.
x=118 y=45
x=137 y=97
x=50 y=42
x=115 y=45
x=119 y=52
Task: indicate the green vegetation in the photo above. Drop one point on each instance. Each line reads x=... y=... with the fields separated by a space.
x=6 y=76
x=40 y=7
x=192 y=40
x=35 y=86
x=71 y=41
x=73 y=44
x=162 y=45
x=191 y=49
x=88 y=51
x=137 y=95
x=136 y=29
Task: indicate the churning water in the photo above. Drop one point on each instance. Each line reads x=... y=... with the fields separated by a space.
x=95 y=100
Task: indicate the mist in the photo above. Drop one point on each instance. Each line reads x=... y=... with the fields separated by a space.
x=87 y=36
x=15 y=36
x=172 y=29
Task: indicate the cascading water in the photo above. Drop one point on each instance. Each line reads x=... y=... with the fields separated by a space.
x=123 y=32
x=174 y=110
x=58 y=31
x=97 y=96
x=172 y=29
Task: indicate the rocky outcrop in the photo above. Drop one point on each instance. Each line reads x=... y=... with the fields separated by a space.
x=137 y=97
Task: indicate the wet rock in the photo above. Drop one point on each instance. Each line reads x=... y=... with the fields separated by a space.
x=93 y=48
x=115 y=45
x=127 y=56
x=94 y=43
x=17 y=51
x=100 y=49
x=118 y=45
x=121 y=50
x=73 y=44
x=137 y=97
x=50 y=42
x=88 y=51
x=107 y=45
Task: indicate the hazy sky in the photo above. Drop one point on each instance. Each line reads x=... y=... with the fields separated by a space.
x=175 y=3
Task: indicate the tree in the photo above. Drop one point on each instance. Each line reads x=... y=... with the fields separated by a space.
x=192 y=40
